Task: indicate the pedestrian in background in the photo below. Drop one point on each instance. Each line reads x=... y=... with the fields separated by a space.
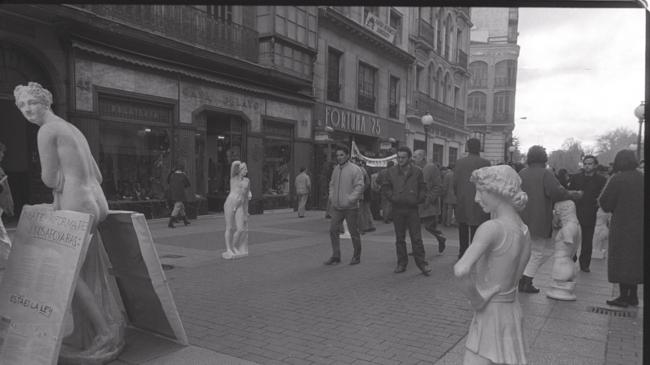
x=386 y=206
x=404 y=187
x=178 y=182
x=448 y=196
x=429 y=210
x=623 y=197
x=375 y=196
x=6 y=207
x=469 y=214
x=543 y=191
x=591 y=184
x=365 y=215
x=562 y=177
x=345 y=191
x=303 y=188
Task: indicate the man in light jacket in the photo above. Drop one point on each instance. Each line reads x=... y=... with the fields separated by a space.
x=303 y=188
x=346 y=188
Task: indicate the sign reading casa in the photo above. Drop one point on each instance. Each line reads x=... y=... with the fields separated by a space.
x=347 y=120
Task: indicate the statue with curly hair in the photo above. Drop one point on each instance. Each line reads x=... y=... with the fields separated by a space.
x=235 y=211
x=68 y=167
x=567 y=240
x=490 y=269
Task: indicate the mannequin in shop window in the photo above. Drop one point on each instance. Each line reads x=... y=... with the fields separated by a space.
x=94 y=325
x=235 y=211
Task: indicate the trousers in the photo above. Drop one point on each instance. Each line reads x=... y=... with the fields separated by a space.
x=541 y=250
x=403 y=219
x=352 y=217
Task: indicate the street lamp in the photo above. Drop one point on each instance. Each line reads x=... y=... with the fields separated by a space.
x=639 y=112
x=427 y=120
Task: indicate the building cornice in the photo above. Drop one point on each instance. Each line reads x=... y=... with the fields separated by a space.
x=363 y=34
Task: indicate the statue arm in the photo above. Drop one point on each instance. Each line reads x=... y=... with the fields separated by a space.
x=486 y=234
x=51 y=173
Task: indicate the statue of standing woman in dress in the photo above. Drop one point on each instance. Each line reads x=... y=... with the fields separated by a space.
x=68 y=167
x=235 y=211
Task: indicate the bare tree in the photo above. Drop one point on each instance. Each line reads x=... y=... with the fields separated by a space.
x=608 y=144
x=568 y=157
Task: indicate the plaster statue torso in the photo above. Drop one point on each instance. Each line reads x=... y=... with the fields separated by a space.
x=601 y=234
x=567 y=240
x=235 y=211
x=70 y=170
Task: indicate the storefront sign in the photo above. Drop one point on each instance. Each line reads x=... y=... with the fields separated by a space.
x=380 y=27
x=229 y=101
x=350 y=121
x=130 y=109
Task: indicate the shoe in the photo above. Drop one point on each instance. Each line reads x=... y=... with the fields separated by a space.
x=355 y=260
x=632 y=301
x=526 y=285
x=399 y=269
x=441 y=244
x=618 y=302
x=426 y=270
x=185 y=221
x=333 y=261
x=171 y=222
x=371 y=229
x=585 y=269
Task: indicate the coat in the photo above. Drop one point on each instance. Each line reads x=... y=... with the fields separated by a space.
x=404 y=189
x=448 y=195
x=543 y=190
x=623 y=197
x=467 y=210
x=346 y=186
x=587 y=206
x=178 y=182
x=433 y=182
x=303 y=183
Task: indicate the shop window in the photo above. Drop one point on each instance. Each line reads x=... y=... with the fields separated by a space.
x=134 y=161
x=437 y=154
x=276 y=172
x=225 y=143
x=453 y=155
x=419 y=145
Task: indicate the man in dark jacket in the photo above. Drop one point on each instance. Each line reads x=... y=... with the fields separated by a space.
x=469 y=215
x=403 y=185
x=178 y=182
x=591 y=185
x=543 y=190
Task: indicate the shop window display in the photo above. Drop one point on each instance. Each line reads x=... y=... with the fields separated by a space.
x=224 y=144
x=276 y=179
x=134 y=160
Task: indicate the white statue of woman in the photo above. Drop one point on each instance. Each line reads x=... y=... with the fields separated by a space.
x=68 y=167
x=235 y=211
x=491 y=267
x=567 y=240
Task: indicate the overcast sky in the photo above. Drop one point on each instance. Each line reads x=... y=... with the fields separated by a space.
x=581 y=73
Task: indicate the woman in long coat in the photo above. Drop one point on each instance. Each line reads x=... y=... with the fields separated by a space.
x=623 y=197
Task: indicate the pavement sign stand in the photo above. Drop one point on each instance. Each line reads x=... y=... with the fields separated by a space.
x=146 y=296
x=39 y=281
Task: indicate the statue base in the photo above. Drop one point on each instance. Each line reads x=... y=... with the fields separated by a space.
x=562 y=290
x=231 y=255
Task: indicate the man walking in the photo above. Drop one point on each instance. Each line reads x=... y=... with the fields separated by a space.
x=178 y=182
x=448 y=196
x=543 y=190
x=430 y=209
x=469 y=215
x=345 y=190
x=303 y=188
x=404 y=187
x=591 y=184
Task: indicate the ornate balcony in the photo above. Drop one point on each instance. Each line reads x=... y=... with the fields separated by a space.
x=440 y=112
x=185 y=24
x=426 y=34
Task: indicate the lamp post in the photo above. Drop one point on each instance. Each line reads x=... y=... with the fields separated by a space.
x=639 y=112
x=427 y=120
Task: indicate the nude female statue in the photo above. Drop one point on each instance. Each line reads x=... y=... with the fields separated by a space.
x=491 y=268
x=67 y=166
x=236 y=212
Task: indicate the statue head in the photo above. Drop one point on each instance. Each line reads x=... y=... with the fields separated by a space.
x=502 y=181
x=238 y=168
x=33 y=101
x=565 y=210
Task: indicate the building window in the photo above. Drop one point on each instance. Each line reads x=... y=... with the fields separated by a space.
x=434 y=82
x=448 y=35
x=440 y=29
x=503 y=106
x=393 y=97
x=446 y=90
x=430 y=84
x=395 y=22
x=297 y=23
x=439 y=85
x=453 y=155
x=505 y=73
x=276 y=172
x=333 y=75
x=479 y=71
x=437 y=154
x=457 y=101
x=366 y=97
x=220 y=12
x=476 y=103
x=370 y=9
x=481 y=137
x=225 y=143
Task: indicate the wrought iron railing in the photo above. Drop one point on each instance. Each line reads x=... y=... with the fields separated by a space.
x=184 y=23
x=440 y=111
